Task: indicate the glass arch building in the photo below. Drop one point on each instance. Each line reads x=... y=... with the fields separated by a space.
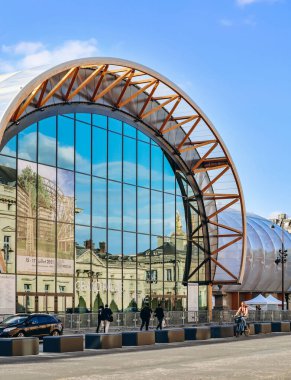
x=115 y=188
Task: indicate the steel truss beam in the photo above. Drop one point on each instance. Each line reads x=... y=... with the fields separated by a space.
x=150 y=98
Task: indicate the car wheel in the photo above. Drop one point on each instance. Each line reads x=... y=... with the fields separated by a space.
x=55 y=333
x=20 y=334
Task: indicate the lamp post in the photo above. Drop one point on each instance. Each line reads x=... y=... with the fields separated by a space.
x=282 y=259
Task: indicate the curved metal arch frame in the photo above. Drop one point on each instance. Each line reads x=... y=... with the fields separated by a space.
x=130 y=88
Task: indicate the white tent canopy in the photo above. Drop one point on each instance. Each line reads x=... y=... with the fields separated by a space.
x=273 y=300
x=259 y=300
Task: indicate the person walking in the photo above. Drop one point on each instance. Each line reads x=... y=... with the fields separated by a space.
x=106 y=317
x=100 y=322
x=145 y=316
x=159 y=313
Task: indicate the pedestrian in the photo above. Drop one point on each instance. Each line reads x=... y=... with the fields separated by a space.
x=159 y=313
x=106 y=317
x=145 y=316
x=100 y=322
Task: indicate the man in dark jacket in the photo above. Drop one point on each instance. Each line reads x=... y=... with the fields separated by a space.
x=106 y=317
x=100 y=310
x=159 y=313
x=145 y=316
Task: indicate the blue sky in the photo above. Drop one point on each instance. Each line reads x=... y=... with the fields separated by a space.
x=233 y=57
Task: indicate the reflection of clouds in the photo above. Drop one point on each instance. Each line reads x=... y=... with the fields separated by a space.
x=27 y=145
x=7 y=150
x=66 y=182
x=24 y=164
x=47 y=172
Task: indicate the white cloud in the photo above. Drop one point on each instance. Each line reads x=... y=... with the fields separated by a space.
x=28 y=54
x=249 y=2
x=275 y=214
x=226 y=22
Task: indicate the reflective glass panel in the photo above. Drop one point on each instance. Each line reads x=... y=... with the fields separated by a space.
x=27 y=143
x=143 y=169
x=114 y=156
x=114 y=205
x=99 y=164
x=66 y=137
x=129 y=160
x=99 y=202
x=83 y=147
x=82 y=199
x=47 y=141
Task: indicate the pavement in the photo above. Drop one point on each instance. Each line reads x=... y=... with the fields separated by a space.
x=255 y=357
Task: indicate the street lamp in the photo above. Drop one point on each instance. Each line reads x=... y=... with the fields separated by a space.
x=282 y=259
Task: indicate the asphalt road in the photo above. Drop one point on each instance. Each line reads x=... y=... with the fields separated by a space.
x=267 y=358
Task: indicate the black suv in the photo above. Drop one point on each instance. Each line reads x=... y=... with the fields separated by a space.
x=37 y=325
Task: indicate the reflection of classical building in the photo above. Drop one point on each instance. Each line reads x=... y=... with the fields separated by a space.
x=163 y=280
x=110 y=152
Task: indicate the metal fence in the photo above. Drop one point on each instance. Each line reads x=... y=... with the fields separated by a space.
x=131 y=321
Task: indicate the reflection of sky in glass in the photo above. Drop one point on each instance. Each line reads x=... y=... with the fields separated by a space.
x=114 y=205
x=99 y=202
x=114 y=125
x=157 y=213
x=83 y=147
x=169 y=214
x=47 y=141
x=10 y=147
x=83 y=201
x=9 y=162
x=114 y=242
x=143 y=198
x=126 y=158
x=143 y=173
x=114 y=156
x=27 y=143
x=99 y=164
x=81 y=235
x=129 y=208
x=66 y=182
x=157 y=168
x=129 y=243
x=99 y=121
x=129 y=160
x=66 y=143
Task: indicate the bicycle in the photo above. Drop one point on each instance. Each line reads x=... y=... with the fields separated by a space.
x=240 y=327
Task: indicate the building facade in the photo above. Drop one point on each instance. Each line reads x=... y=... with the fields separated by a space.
x=113 y=187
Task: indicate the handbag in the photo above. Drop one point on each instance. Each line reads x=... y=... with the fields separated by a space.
x=163 y=323
x=110 y=319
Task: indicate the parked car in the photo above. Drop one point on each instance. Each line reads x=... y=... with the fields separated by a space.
x=38 y=325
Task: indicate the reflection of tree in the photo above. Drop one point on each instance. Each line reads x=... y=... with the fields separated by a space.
x=29 y=181
x=97 y=303
x=132 y=304
x=113 y=306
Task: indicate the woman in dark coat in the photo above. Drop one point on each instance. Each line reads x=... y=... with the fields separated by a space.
x=159 y=313
x=100 y=310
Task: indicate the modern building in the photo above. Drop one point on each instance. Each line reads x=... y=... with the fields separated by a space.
x=114 y=188
x=262 y=273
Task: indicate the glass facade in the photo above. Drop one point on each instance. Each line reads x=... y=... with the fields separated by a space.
x=92 y=212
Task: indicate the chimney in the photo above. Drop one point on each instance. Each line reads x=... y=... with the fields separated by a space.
x=102 y=246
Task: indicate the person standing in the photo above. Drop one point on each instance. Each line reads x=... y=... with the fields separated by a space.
x=106 y=317
x=100 y=322
x=159 y=313
x=145 y=316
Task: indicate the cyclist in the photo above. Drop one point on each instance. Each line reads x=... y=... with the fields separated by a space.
x=243 y=313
